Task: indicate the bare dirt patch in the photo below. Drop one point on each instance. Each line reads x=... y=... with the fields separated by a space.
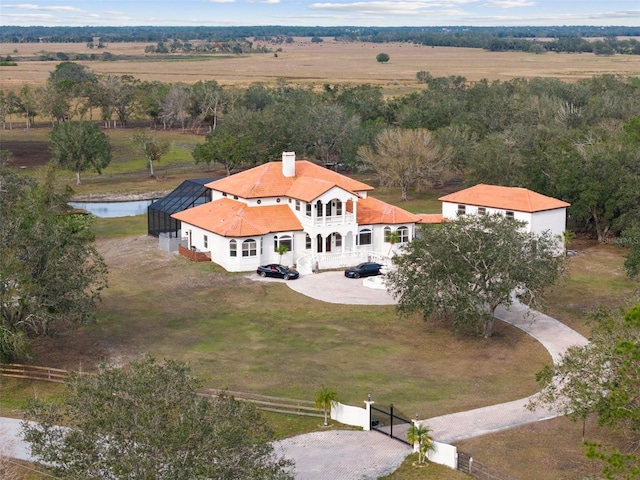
x=27 y=154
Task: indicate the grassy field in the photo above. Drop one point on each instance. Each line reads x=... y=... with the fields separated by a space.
x=265 y=338
x=262 y=337
x=305 y=63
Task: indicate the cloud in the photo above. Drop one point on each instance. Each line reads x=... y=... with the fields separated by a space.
x=52 y=8
x=270 y=1
x=393 y=8
x=509 y=4
x=29 y=16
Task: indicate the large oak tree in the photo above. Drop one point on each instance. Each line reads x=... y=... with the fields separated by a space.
x=51 y=275
x=79 y=146
x=464 y=269
x=406 y=158
x=602 y=377
x=147 y=421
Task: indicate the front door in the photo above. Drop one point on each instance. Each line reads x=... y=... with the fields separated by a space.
x=328 y=243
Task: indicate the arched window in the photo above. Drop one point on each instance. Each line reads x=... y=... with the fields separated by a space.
x=233 y=248
x=338 y=207
x=318 y=208
x=364 y=236
x=338 y=239
x=403 y=234
x=283 y=240
x=307 y=242
x=249 y=248
x=387 y=234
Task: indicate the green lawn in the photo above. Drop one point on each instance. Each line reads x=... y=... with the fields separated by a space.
x=265 y=338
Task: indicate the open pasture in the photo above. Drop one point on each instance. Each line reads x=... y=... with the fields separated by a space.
x=306 y=63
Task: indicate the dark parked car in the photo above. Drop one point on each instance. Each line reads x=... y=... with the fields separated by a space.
x=277 y=271
x=366 y=269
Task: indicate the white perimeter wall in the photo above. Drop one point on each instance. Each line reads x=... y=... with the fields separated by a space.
x=442 y=453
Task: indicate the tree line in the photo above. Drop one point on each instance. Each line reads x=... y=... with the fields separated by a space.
x=576 y=141
x=570 y=39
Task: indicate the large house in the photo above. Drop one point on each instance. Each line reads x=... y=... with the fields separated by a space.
x=539 y=212
x=323 y=218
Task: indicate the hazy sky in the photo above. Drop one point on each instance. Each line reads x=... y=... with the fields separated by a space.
x=310 y=12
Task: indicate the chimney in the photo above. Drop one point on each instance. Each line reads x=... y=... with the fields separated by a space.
x=289 y=164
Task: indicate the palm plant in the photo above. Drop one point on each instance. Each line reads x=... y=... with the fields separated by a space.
x=392 y=238
x=420 y=437
x=282 y=249
x=324 y=398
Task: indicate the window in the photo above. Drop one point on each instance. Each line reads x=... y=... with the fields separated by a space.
x=462 y=209
x=319 y=208
x=224 y=194
x=206 y=241
x=338 y=207
x=510 y=215
x=258 y=201
x=338 y=238
x=387 y=234
x=308 y=212
x=249 y=248
x=307 y=242
x=298 y=205
x=283 y=241
x=233 y=248
x=403 y=234
x=482 y=211
x=364 y=237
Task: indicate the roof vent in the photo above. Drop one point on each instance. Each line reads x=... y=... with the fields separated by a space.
x=289 y=164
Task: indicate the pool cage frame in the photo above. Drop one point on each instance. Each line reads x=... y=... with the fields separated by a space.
x=188 y=194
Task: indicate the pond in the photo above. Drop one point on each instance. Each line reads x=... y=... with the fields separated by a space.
x=114 y=209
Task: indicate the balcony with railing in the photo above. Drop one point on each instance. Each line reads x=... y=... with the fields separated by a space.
x=330 y=221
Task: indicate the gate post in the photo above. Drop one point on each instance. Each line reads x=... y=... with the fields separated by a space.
x=391 y=420
x=368 y=420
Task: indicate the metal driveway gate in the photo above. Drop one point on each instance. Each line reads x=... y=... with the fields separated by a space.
x=389 y=422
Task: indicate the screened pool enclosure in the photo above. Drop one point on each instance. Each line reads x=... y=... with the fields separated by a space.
x=188 y=194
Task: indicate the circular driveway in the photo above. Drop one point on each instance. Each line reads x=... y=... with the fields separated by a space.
x=343 y=455
x=334 y=287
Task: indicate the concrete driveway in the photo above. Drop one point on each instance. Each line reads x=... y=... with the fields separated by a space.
x=343 y=455
x=334 y=287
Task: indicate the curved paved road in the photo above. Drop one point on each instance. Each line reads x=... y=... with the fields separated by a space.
x=359 y=455
x=335 y=288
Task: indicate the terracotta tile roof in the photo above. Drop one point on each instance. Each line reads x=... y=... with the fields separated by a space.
x=507 y=198
x=268 y=181
x=430 y=217
x=231 y=218
x=307 y=188
x=374 y=212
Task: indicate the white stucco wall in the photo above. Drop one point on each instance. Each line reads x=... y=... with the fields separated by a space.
x=444 y=454
x=350 y=415
x=537 y=222
x=450 y=212
x=553 y=220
